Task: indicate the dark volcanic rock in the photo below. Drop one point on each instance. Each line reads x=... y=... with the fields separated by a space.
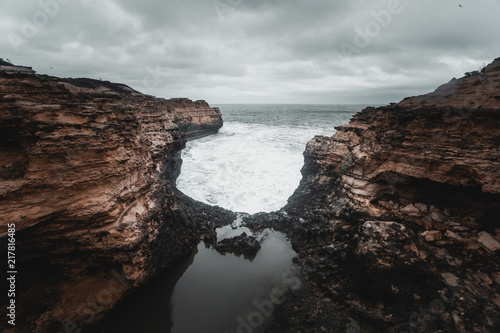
x=209 y=218
x=245 y=245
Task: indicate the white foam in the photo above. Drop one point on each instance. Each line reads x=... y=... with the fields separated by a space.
x=245 y=167
x=232 y=230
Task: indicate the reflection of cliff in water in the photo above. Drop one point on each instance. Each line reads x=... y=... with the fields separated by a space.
x=210 y=292
x=148 y=309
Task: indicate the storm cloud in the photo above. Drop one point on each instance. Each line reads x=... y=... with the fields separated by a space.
x=256 y=51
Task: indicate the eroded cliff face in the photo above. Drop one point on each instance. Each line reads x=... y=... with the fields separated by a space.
x=433 y=160
x=86 y=173
x=396 y=220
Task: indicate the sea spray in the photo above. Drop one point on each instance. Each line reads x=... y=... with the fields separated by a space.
x=253 y=164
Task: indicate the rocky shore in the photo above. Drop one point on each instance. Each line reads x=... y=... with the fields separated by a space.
x=396 y=218
x=87 y=169
x=395 y=221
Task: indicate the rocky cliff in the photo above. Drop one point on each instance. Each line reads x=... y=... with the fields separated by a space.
x=86 y=174
x=432 y=160
x=396 y=219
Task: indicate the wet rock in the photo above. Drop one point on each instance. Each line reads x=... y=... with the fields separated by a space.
x=432 y=235
x=437 y=216
x=411 y=210
x=454 y=237
x=488 y=242
x=245 y=245
x=450 y=279
x=496 y=300
x=484 y=278
x=496 y=277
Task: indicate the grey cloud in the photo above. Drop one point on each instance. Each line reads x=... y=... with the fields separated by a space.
x=259 y=51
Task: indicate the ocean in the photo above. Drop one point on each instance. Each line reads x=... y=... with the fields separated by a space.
x=253 y=164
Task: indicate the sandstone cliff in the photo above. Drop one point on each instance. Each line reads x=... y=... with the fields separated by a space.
x=86 y=174
x=433 y=160
x=396 y=219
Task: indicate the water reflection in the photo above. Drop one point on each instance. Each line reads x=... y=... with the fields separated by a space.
x=149 y=309
x=210 y=292
x=220 y=293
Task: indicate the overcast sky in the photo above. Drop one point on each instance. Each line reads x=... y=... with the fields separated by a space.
x=256 y=51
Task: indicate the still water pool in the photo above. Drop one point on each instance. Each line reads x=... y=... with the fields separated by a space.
x=212 y=292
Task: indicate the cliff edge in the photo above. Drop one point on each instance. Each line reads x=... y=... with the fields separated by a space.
x=439 y=149
x=396 y=219
x=87 y=170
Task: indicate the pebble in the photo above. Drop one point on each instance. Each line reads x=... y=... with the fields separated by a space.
x=496 y=277
x=432 y=235
x=450 y=279
x=454 y=237
x=488 y=242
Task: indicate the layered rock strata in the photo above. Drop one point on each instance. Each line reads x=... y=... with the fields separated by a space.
x=432 y=160
x=396 y=218
x=86 y=175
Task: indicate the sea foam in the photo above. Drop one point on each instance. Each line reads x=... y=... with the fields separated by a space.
x=245 y=167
